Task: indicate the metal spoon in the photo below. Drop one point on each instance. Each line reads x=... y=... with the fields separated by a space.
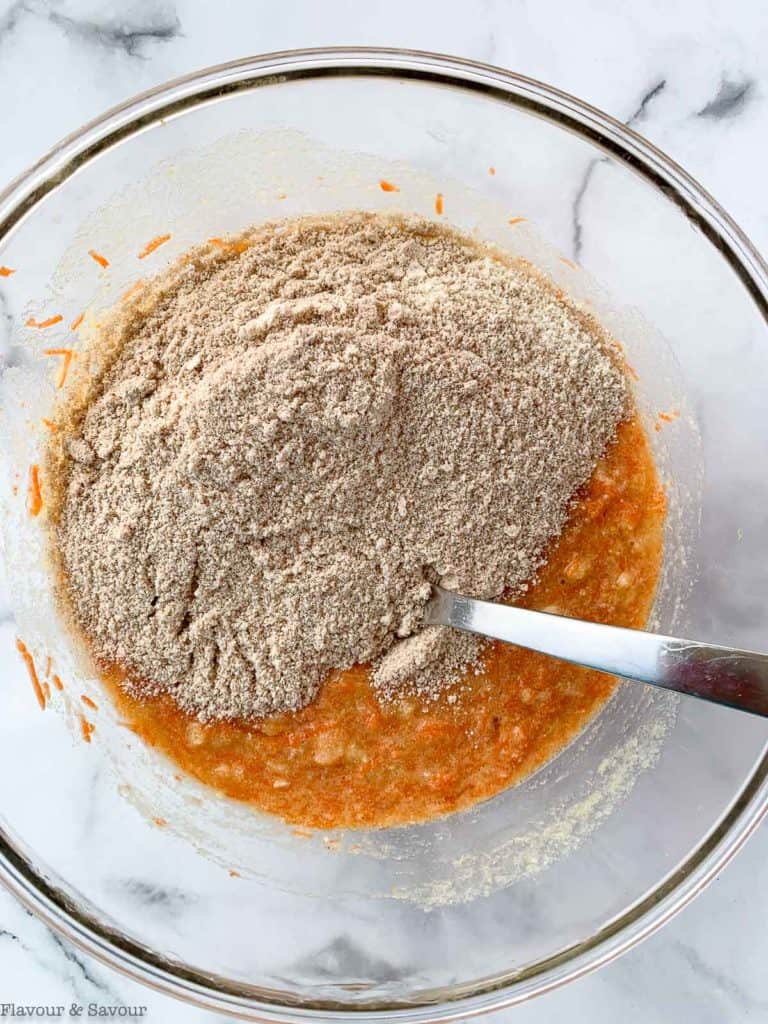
x=722 y=675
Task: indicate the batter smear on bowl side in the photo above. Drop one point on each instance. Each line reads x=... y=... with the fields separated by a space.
x=286 y=439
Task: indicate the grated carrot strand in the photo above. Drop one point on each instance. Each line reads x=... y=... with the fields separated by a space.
x=42 y=324
x=132 y=290
x=439 y=206
x=101 y=260
x=6 y=271
x=150 y=247
x=34 y=492
x=86 y=728
x=29 y=661
x=387 y=186
x=67 y=355
x=237 y=246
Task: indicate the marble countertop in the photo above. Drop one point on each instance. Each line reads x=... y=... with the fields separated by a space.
x=691 y=77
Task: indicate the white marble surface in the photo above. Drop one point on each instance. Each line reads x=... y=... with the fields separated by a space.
x=691 y=76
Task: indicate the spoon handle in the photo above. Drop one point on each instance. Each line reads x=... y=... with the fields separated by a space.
x=722 y=675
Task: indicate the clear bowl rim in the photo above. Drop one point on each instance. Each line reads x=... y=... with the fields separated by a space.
x=749 y=807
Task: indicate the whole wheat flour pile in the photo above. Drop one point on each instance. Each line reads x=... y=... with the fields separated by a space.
x=288 y=440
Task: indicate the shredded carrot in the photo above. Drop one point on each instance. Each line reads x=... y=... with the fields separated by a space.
x=57 y=682
x=87 y=729
x=49 y=424
x=665 y=417
x=6 y=271
x=88 y=702
x=515 y=220
x=15 y=489
x=240 y=245
x=76 y=322
x=40 y=324
x=234 y=874
x=101 y=260
x=150 y=247
x=34 y=493
x=131 y=291
x=48 y=664
x=47 y=692
x=491 y=170
x=567 y=262
x=29 y=661
x=67 y=355
x=439 y=204
x=160 y=822
x=387 y=186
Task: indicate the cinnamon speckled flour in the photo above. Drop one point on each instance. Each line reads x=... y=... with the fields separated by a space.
x=288 y=440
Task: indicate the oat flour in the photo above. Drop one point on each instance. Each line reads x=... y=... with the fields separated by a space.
x=287 y=441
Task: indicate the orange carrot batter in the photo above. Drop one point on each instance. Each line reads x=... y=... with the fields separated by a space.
x=348 y=760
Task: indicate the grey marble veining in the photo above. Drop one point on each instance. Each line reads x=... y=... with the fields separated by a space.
x=730 y=100
x=692 y=79
x=171 y=902
x=127 y=29
x=116 y=34
x=578 y=200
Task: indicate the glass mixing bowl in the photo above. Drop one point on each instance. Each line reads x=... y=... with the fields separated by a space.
x=197 y=895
